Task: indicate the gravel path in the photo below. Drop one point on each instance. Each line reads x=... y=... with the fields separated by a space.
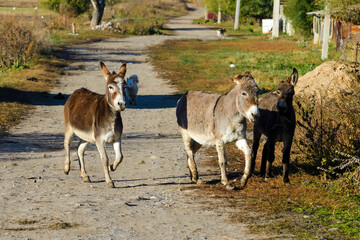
x=37 y=201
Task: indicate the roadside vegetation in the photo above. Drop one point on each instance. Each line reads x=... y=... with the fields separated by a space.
x=32 y=36
x=322 y=200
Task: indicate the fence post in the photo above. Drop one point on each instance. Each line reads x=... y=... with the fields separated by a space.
x=325 y=45
x=356 y=52
x=73 y=28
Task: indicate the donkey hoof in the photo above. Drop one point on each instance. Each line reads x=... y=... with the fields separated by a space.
x=229 y=187
x=111 y=185
x=86 y=179
x=111 y=167
x=199 y=181
x=66 y=171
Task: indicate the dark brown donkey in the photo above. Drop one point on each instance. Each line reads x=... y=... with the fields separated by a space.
x=96 y=118
x=277 y=122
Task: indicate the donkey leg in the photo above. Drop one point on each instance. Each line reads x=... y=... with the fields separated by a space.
x=105 y=162
x=195 y=146
x=191 y=148
x=118 y=155
x=264 y=159
x=81 y=150
x=67 y=141
x=243 y=145
x=271 y=157
x=286 y=160
x=255 y=147
x=222 y=163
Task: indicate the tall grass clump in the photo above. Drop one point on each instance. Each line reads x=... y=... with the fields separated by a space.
x=21 y=39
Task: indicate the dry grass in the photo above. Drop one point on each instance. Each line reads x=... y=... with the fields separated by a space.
x=19 y=3
x=22 y=38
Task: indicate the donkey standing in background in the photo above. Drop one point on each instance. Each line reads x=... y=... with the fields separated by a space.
x=96 y=118
x=277 y=122
x=215 y=119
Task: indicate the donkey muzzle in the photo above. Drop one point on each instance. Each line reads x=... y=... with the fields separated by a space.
x=282 y=106
x=122 y=106
x=253 y=113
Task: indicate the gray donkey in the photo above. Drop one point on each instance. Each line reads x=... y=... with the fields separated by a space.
x=213 y=119
x=277 y=122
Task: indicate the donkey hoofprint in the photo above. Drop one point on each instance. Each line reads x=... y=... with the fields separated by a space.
x=213 y=119
x=96 y=118
x=277 y=122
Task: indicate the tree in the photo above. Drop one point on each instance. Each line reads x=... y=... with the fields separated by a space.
x=98 y=11
x=227 y=6
x=346 y=10
x=296 y=10
x=258 y=9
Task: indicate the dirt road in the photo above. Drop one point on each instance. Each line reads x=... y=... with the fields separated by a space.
x=38 y=201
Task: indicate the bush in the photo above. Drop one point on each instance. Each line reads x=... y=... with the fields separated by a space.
x=72 y=7
x=20 y=41
x=328 y=130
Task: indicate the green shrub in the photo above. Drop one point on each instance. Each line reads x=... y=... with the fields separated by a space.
x=73 y=7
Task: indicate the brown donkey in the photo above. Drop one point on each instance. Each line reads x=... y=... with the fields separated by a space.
x=213 y=119
x=96 y=119
x=277 y=122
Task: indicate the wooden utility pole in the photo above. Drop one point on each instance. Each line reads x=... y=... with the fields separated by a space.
x=237 y=15
x=325 y=45
x=276 y=13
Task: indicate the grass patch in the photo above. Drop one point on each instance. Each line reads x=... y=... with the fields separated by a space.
x=194 y=64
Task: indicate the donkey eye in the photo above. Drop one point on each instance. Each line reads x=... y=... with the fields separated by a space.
x=111 y=88
x=278 y=92
x=244 y=94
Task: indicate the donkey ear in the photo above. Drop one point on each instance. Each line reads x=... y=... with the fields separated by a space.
x=294 y=77
x=105 y=71
x=248 y=74
x=122 y=70
x=236 y=79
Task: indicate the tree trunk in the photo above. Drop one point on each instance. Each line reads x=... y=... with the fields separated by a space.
x=98 y=11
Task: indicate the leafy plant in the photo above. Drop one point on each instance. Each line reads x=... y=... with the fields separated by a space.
x=296 y=10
